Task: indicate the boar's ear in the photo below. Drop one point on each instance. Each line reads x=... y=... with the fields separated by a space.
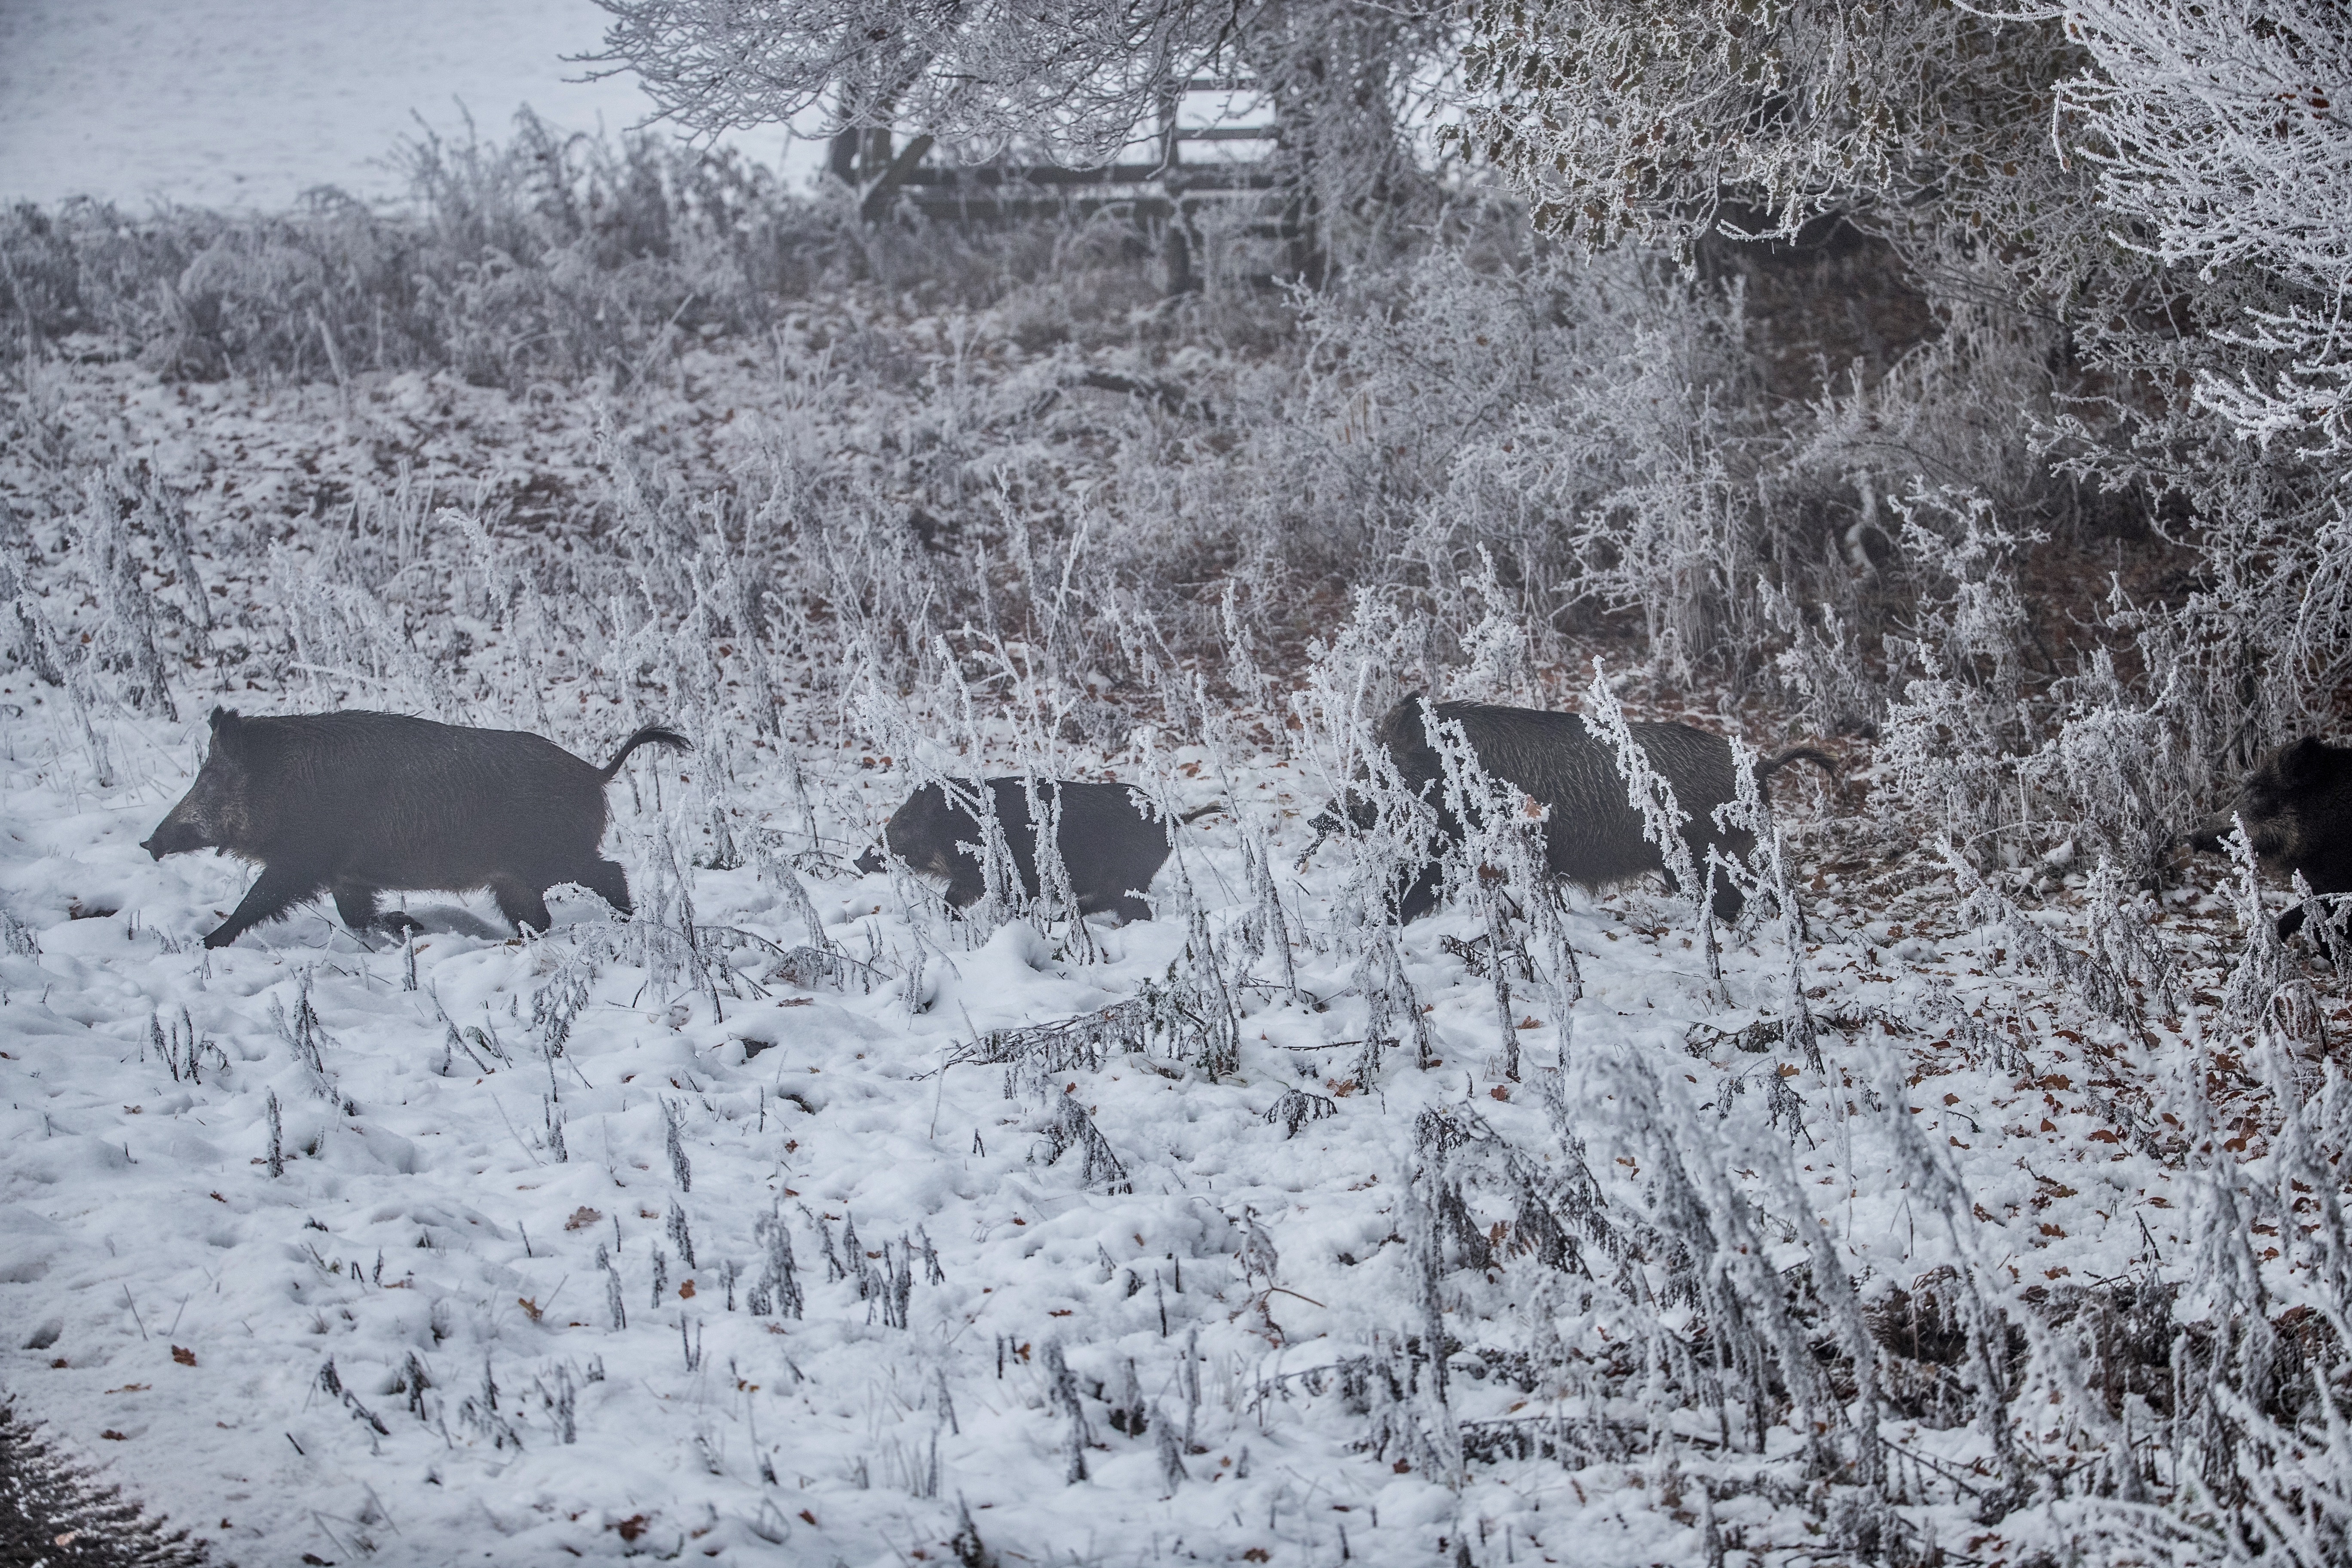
x=1405 y=726
x=228 y=728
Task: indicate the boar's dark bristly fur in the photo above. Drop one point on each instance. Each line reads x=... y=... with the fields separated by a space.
x=1593 y=835
x=2296 y=805
x=1110 y=847
x=352 y=803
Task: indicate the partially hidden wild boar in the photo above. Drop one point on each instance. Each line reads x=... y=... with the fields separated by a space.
x=355 y=803
x=2296 y=805
x=1110 y=847
x=1593 y=835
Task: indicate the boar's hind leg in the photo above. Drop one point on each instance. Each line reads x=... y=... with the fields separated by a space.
x=609 y=882
x=1728 y=899
x=275 y=890
x=522 y=904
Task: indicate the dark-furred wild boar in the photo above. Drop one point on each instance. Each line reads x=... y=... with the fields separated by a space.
x=2296 y=805
x=1593 y=835
x=1109 y=846
x=355 y=803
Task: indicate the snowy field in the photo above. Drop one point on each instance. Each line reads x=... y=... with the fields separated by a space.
x=1976 y=1197
x=767 y=1226
x=249 y=104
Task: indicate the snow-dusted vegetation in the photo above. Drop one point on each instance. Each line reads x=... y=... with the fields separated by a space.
x=1974 y=1197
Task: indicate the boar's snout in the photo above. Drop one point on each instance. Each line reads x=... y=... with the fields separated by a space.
x=2208 y=836
x=871 y=861
x=172 y=838
x=2211 y=836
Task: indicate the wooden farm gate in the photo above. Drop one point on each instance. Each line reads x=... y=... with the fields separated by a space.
x=1166 y=195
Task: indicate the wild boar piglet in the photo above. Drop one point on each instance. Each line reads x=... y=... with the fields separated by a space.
x=1109 y=845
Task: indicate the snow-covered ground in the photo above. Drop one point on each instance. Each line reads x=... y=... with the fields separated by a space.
x=248 y=103
x=494 y=1299
x=180 y=1300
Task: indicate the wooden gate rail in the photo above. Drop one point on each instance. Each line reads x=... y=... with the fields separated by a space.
x=1165 y=194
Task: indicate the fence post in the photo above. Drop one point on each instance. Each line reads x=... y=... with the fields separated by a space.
x=1175 y=244
x=876 y=200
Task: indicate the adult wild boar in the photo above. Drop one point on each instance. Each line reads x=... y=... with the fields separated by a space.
x=1110 y=847
x=2296 y=805
x=355 y=803
x=1593 y=835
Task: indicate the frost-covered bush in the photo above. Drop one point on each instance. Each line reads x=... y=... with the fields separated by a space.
x=542 y=255
x=2124 y=216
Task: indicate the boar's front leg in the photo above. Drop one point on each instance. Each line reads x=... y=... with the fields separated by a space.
x=1420 y=896
x=967 y=884
x=356 y=902
x=279 y=889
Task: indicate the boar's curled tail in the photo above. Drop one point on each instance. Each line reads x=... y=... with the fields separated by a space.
x=1199 y=811
x=1767 y=766
x=651 y=735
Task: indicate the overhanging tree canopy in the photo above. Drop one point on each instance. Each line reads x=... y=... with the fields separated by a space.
x=1078 y=77
x=1073 y=81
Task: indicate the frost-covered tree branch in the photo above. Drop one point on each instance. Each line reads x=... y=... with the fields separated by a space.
x=1076 y=83
x=1663 y=119
x=2224 y=144
x=1080 y=76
